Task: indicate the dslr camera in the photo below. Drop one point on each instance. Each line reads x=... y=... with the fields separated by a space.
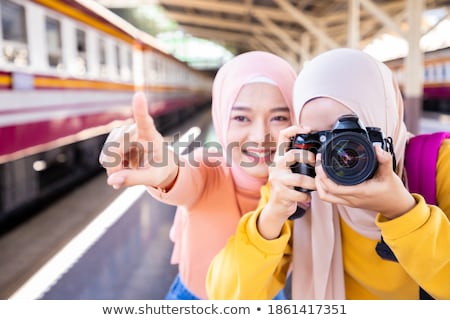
x=348 y=155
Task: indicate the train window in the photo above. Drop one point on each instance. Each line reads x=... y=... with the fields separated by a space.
x=125 y=62
x=54 y=43
x=433 y=73
x=129 y=65
x=428 y=74
x=447 y=72
x=102 y=57
x=152 y=67
x=443 y=73
x=81 y=59
x=118 y=59
x=162 y=71
x=14 y=33
x=439 y=72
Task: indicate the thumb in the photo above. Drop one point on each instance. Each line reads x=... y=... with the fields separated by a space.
x=145 y=125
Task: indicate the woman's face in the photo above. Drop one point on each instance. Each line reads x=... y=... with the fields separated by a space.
x=322 y=113
x=257 y=116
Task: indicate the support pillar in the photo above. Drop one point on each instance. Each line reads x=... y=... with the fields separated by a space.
x=353 y=36
x=413 y=85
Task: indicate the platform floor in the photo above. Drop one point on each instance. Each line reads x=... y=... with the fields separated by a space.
x=131 y=261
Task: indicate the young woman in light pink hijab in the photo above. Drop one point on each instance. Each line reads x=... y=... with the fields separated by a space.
x=251 y=104
x=336 y=250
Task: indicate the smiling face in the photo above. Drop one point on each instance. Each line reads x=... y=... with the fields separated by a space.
x=257 y=116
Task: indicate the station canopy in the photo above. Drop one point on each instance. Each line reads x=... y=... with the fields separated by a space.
x=295 y=30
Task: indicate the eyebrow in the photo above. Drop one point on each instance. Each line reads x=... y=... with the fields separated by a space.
x=276 y=109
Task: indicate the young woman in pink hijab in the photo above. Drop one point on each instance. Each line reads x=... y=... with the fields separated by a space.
x=335 y=250
x=251 y=104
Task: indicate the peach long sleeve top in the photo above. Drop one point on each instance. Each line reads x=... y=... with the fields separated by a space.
x=209 y=209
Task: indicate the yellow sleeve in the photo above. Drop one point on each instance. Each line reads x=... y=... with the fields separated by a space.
x=249 y=266
x=420 y=238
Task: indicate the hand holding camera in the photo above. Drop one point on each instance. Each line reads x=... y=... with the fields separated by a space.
x=347 y=151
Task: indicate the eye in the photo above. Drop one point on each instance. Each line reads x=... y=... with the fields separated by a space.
x=280 y=118
x=241 y=118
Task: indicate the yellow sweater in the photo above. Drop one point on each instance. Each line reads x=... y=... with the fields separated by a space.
x=251 y=267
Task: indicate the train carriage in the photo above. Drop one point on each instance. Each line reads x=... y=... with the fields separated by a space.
x=68 y=70
x=436 y=79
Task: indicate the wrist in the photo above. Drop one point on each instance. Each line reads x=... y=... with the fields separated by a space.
x=402 y=207
x=270 y=224
x=170 y=180
x=171 y=173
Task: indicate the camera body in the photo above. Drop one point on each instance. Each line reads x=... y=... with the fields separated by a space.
x=348 y=155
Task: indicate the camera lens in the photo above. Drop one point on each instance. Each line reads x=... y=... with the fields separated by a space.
x=349 y=158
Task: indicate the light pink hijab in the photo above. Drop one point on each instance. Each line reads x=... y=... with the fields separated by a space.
x=253 y=66
x=367 y=87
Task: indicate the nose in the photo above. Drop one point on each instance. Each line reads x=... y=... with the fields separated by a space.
x=259 y=131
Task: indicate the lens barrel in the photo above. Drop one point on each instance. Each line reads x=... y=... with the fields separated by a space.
x=349 y=158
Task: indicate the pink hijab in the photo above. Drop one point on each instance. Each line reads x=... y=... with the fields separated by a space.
x=253 y=66
x=367 y=87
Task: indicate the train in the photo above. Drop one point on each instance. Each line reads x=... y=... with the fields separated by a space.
x=68 y=71
x=436 y=79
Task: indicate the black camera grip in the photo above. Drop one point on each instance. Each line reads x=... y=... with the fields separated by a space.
x=299 y=212
x=306 y=169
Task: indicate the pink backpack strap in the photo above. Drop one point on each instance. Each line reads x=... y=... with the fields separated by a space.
x=420 y=162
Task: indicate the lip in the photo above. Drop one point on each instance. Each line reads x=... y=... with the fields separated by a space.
x=261 y=155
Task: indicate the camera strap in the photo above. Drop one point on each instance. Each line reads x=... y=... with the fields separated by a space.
x=390 y=148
